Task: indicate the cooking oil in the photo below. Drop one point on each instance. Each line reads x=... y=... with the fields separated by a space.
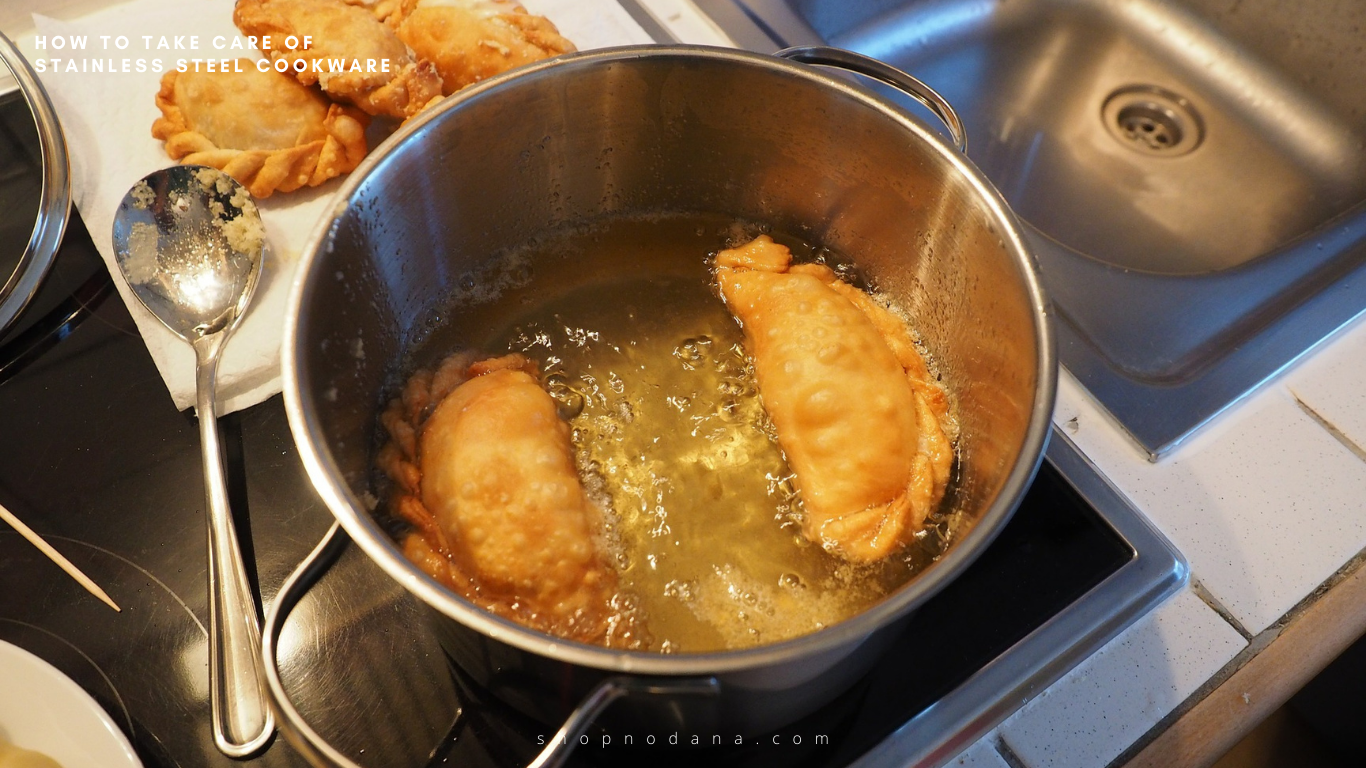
x=672 y=441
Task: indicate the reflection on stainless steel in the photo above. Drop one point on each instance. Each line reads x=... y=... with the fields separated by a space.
x=349 y=646
x=274 y=649
x=869 y=67
x=1185 y=278
x=54 y=198
x=180 y=242
x=670 y=129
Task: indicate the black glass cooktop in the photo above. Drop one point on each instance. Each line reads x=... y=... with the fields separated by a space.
x=95 y=458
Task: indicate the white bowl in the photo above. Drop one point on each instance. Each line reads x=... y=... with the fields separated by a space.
x=44 y=710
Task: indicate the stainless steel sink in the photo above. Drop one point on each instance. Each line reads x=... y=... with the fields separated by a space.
x=1194 y=174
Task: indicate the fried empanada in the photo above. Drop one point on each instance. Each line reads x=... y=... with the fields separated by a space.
x=489 y=482
x=344 y=39
x=855 y=410
x=471 y=40
x=262 y=128
x=380 y=9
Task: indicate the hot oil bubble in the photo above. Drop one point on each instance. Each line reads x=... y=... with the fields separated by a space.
x=764 y=424
x=693 y=351
x=625 y=601
x=569 y=402
x=791 y=581
x=781 y=487
x=685 y=591
x=732 y=363
x=729 y=411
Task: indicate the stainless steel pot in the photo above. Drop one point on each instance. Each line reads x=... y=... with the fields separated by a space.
x=682 y=129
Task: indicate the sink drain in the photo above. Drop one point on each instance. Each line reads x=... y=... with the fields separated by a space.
x=1152 y=120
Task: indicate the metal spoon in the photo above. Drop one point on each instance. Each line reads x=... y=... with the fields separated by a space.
x=188 y=240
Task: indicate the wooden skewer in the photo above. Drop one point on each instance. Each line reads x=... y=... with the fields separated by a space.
x=57 y=557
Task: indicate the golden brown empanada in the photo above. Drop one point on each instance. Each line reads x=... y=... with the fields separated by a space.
x=487 y=477
x=380 y=9
x=470 y=40
x=343 y=36
x=264 y=129
x=856 y=413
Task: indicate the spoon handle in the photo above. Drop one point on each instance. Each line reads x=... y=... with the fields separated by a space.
x=242 y=720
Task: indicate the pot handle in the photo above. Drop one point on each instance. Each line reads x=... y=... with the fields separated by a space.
x=867 y=66
x=318 y=752
x=296 y=730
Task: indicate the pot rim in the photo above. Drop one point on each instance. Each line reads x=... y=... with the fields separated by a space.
x=358 y=522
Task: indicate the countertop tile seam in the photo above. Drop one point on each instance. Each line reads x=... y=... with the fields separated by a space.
x=1007 y=754
x=1202 y=592
x=1323 y=421
x=981 y=754
x=1333 y=383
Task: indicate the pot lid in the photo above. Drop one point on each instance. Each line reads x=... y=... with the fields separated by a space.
x=32 y=216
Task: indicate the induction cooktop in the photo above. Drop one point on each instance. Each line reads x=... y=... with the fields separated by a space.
x=94 y=457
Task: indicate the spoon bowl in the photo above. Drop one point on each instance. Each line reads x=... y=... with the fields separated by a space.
x=189 y=241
